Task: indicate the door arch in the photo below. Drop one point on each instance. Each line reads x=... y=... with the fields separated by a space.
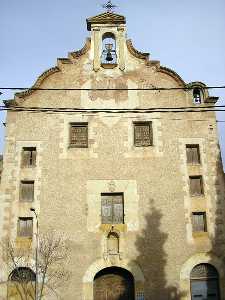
x=114 y=283
x=204 y=282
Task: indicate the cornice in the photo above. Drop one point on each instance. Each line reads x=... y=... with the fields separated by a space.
x=135 y=52
x=38 y=82
x=173 y=74
x=84 y=50
x=105 y=18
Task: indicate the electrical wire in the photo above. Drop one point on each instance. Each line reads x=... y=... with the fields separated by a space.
x=111 y=89
x=111 y=110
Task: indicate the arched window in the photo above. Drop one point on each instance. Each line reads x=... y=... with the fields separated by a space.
x=204 y=282
x=109 y=49
x=197 y=96
x=112 y=243
x=21 y=284
x=22 y=274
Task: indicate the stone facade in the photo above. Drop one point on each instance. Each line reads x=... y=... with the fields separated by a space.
x=157 y=244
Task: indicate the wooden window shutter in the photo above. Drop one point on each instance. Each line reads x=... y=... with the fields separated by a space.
x=29 y=156
x=118 y=209
x=27 y=191
x=33 y=156
x=193 y=154
x=196 y=187
x=106 y=210
x=199 y=221
x=112 y=208
x=25 y=227
x=79 y=135
x=142 y=134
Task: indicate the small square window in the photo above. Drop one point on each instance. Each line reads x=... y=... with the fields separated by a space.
x=27 y=191
x=79 y=135
x=193 y=154
x=25 y=227
x=199 y=222
x=112 y=208
x=29 y=156
x=143 y=134
x=196 y=186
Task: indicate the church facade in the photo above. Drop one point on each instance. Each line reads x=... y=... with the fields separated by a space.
x=121 y=156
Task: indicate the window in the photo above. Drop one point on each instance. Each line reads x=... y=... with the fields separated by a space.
x=193 y=154
x=140 y=296
x=25 y=227
x=199 y=222
x=143 y=134
x=197 y=96
x=21 y=284
x=196 y=185
x=22 y=274
x=204 y=282
x=29 y=156
x=27 y=191
x=112 y=208
x=79 y=135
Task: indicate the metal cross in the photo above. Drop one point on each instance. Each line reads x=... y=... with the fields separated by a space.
x=109 y=6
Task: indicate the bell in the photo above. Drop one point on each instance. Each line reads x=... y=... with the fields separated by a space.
x=109 y=56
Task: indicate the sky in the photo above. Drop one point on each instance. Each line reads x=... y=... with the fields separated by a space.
x=186 y=36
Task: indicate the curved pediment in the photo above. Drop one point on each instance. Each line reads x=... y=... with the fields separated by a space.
x=72 y=55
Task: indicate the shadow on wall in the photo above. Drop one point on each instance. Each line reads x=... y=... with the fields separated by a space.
x=152 y=258
x=215 y=273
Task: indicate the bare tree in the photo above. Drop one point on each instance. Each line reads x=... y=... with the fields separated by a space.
x=52 y=261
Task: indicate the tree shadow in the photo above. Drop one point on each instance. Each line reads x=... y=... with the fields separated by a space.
x=216 y=217
x=152 y=258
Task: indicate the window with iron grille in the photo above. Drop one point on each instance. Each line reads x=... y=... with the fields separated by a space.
x=143 y=134
x=27 y=191
x=140 y=296
x=199 y=222
x=196 y=186
x=79 y=135
x=193 y=154
x=29 y=156
x=25 y=227
x=112 y=208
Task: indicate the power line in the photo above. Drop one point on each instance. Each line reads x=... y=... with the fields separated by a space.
x=111 y=89
x=112 y=110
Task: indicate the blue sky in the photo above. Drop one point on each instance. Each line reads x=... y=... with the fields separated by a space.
x=187 y=36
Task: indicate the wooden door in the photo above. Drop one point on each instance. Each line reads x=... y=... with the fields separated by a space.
x=113 y=287
x=204 y=290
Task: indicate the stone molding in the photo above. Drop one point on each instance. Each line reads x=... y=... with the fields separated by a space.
x=37 y=84
x=84 y=50
x=101 y=264
x=199 y=258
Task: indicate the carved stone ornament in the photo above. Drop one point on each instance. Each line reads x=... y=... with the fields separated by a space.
x=112 y=186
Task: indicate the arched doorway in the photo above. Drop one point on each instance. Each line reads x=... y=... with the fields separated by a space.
x=21 y=284
x=114 y=283
x=204 y=282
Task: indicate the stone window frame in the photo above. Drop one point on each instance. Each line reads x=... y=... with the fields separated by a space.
x=156 y=150
x=131 y=208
